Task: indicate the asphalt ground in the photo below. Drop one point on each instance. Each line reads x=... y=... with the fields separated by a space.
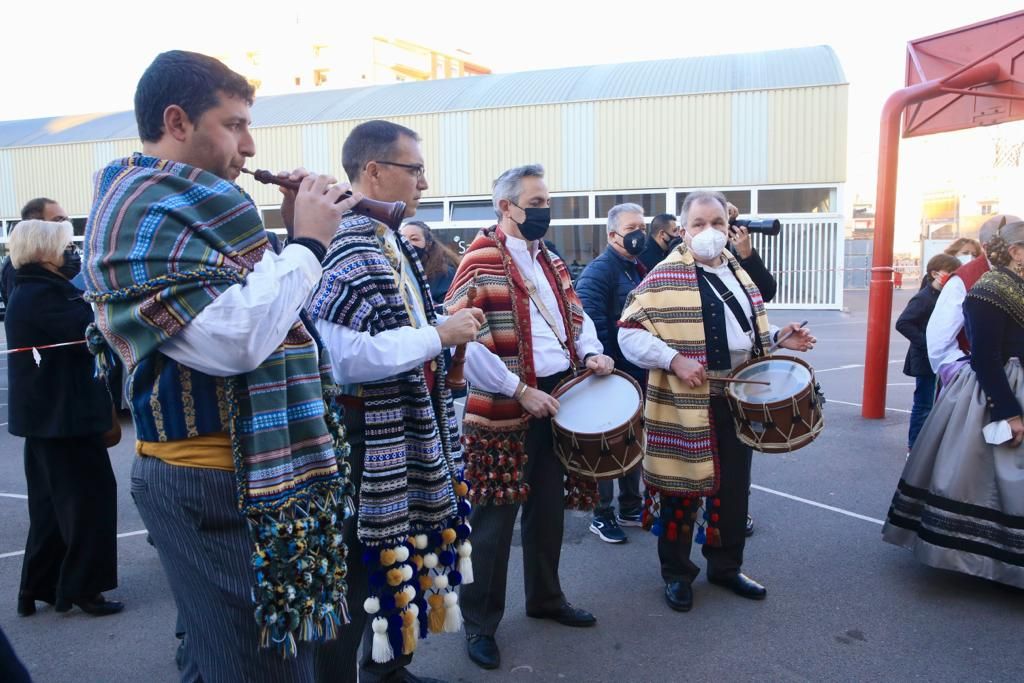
x=842 y=605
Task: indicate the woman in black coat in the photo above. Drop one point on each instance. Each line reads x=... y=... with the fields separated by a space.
x=62 y=411
x=439 y=262
x=912 y=324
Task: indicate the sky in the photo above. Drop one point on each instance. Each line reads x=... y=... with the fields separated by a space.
x=64 y=57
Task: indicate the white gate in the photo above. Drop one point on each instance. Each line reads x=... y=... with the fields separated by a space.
x=806 y=258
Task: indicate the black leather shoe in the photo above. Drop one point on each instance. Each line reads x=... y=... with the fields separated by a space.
x=26 y=606
x=679 y=595
x=567 y=615
x=97 y=605
x=483 y=651
x=749 y=530
x=741 y=585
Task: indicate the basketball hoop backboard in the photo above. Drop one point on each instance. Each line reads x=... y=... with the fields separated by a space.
x=944 y=56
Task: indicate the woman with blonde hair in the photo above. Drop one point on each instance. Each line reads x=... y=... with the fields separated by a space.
x=62 y=411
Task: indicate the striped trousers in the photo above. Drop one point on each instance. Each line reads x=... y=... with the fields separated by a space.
x=204 y=547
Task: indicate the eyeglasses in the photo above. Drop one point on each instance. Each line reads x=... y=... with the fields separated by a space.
x=417 y=170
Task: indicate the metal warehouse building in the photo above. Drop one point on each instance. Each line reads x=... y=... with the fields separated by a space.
x=769 y=129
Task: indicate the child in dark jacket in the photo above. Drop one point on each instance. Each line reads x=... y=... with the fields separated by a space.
x=912 y=324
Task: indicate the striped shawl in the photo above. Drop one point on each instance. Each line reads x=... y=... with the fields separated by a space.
x=163 y=241
x=494 y=427
x=681 y=455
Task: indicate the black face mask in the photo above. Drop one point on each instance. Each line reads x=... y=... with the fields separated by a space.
x=634 y=242
x=421 y=253
x=536 y=224
x=72 y=264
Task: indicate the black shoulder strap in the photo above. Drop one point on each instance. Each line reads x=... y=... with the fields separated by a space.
x=728 y=298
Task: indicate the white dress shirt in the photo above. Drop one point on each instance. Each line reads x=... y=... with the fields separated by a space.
x=238 y=330
x=945 y=324
x=647 y=351
x=549 y=358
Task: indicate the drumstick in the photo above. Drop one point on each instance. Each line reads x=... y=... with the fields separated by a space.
x=785 y=337
x=740 y=381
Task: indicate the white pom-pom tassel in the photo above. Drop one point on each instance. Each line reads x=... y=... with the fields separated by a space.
x=453 y=613
x=382 y=651
x=371 y=605
x=406 y=572
x=465 y=562
x=402 y=554
x=410 y=592
x=430 y=560
x=420 y=541
x=441 y=582
x=415 y=622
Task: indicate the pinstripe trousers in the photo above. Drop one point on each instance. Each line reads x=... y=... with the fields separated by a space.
x=206 y=552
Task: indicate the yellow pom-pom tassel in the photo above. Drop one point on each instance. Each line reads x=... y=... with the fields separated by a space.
x=461 y=489
x=401 y=600
x=426 y=583
x=409 y=632
x=394 y=577
x=437 y=613
x=387 y=557
x=448 y=536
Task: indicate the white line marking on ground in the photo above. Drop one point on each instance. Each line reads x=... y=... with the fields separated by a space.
x=126 y=534
x=901 y=384
x=818 y=505
x=13 y=495
x=858 y=405
x=853 y=365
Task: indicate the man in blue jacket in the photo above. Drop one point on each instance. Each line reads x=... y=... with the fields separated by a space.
x=603 y=287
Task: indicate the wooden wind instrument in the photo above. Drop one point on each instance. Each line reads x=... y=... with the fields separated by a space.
x=390 y=213
x=456 y=379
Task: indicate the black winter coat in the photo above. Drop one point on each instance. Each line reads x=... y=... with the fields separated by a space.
x=912 y=324
x=59 y=398
x=603 y=287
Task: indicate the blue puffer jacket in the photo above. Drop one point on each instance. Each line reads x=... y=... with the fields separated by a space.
x=603 y=287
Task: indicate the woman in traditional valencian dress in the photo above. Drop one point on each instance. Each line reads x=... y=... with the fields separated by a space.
x=960 y=502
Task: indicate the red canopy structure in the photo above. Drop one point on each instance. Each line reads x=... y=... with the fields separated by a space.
x=967 y=77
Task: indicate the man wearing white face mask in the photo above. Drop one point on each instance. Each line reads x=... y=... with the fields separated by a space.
x=694 y=318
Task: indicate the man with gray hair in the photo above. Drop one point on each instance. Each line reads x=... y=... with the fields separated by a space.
x=536 y=327
x=603 y=287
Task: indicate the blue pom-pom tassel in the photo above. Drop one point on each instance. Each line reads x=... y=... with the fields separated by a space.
x=464 y=508
x=462 y=532
x=656 y=528
x=387 y=603
x=370 y=556
x=446 y=558
x=701 y=536
x=454 y=578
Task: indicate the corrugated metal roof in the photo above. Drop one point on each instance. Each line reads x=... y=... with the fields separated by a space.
x=800 y=67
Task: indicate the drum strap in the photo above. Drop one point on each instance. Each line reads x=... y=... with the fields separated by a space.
x=729 y=298
x=531 y=289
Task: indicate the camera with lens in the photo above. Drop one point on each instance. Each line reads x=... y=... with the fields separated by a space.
x=767 y=227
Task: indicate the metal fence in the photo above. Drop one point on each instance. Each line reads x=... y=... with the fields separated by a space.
x=806 y=258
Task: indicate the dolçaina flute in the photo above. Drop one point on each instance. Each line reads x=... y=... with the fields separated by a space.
x=390 y=213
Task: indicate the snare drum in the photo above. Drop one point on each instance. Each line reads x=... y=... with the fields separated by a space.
x=783 y=416
x=598 y=430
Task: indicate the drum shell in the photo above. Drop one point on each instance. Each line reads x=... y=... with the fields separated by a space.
x=603 y=455
x=790 y=423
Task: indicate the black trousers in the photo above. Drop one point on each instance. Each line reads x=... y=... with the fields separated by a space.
x=724 y=561
x=71 y=551
x=359 y=629
x=483 y=601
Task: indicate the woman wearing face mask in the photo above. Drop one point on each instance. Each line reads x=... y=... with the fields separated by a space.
x=964 y=249
x=696 y=316
x=960 y=500
x=62 y=411
x=912 y=324
x=439 y=262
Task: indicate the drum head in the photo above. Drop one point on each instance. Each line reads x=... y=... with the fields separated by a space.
x=597 y=404
x=787 y=378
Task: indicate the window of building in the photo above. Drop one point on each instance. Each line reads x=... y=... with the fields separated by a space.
x=298 y=80
x=272 y=219
x=431 y=212
x=570 y=207
x=79 y=226
x=578 y=245
x=456 y=239
x=653 y=203
x=738 y=198
x=987 y=208
x=475 y=210
x=320 y=76
x=796 y=200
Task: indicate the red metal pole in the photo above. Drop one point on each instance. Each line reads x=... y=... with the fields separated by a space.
x=876 y=356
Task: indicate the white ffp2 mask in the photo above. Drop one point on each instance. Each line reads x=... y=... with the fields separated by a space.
x=708 y=244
